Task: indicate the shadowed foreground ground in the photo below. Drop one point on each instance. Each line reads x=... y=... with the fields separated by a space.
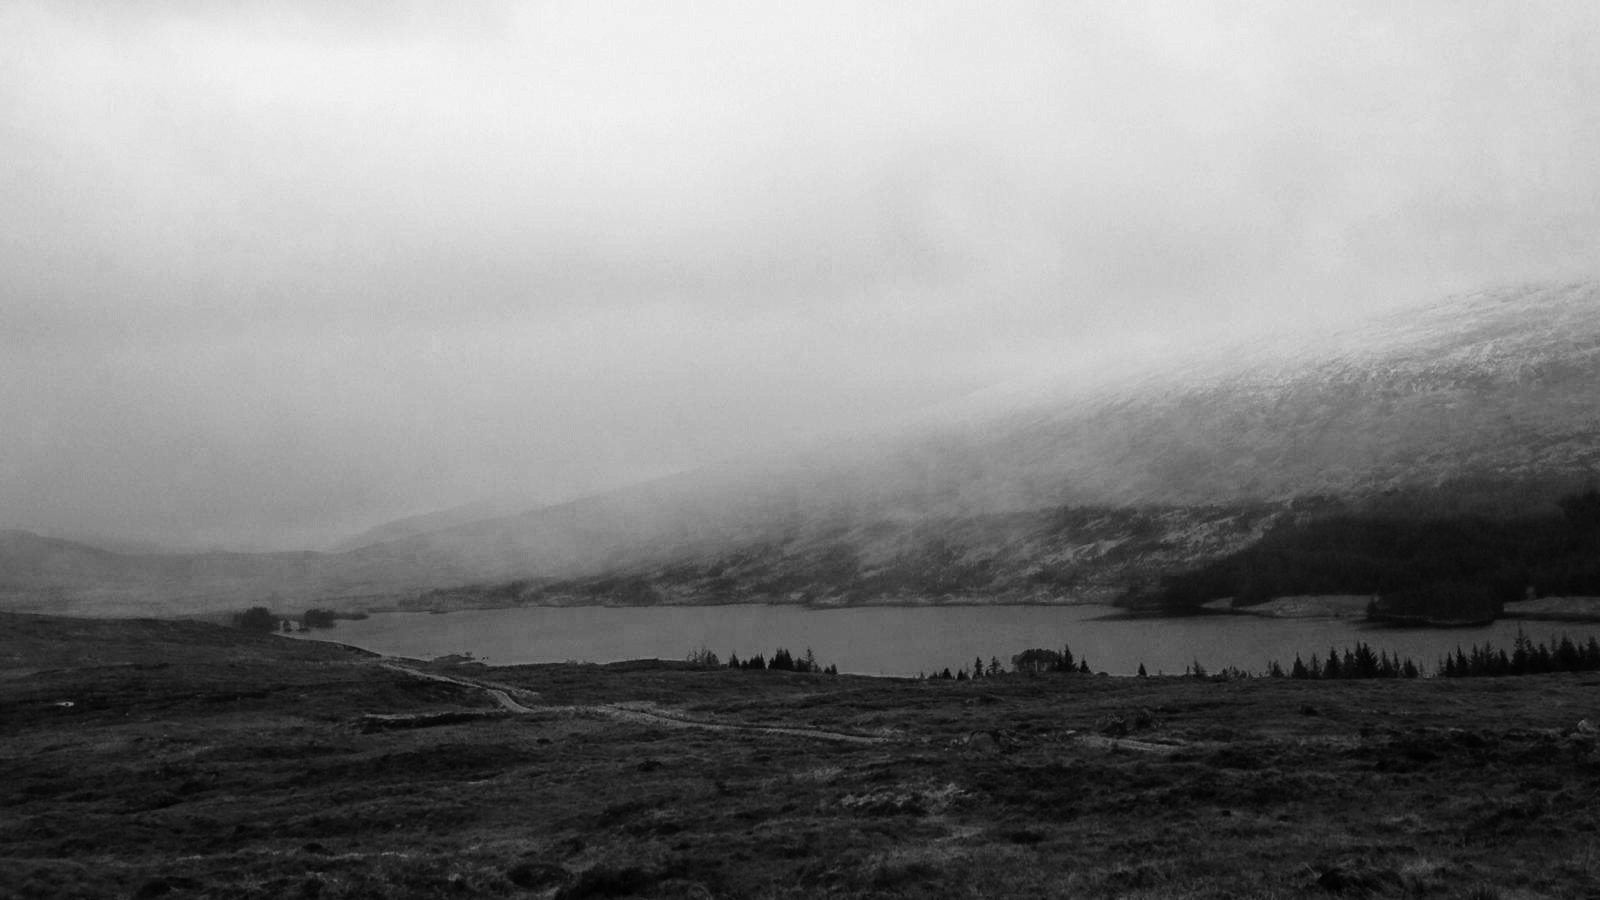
x=199 y=761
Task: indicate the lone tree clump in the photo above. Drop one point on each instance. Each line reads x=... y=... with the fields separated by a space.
x=1035 y=661
x=257 y=618
x=319 y=618
x=703 y=657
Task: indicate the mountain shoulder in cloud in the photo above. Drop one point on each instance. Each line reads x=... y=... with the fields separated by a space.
x=1478 y=405
x=422 y=523
x=1059 y=493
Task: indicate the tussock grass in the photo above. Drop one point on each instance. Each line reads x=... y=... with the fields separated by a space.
x=1427 y=788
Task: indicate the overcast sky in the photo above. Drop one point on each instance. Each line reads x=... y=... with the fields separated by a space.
x=273 y=272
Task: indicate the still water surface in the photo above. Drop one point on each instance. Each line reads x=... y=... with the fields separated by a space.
x=903 y=640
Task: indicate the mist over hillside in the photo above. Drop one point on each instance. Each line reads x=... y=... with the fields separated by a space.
x=1479 y=403
x=436 y=520
x=1051 y=492
x=1495 y=384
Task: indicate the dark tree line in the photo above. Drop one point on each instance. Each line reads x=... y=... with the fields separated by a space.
x=782 y=661
x=1361 y=662
x=1356 y=662
x=1525 y=658
x=979 y=670
x=263 y=619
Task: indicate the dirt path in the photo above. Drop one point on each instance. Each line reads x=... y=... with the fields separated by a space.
x=500 y=695
x=635 y=712
x=642 y=713
x=1111 y=743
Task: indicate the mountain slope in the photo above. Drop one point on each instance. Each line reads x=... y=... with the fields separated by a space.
x=411 y=526
x=1485 y=400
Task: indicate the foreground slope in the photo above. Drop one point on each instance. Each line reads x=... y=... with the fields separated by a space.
x=199 y=763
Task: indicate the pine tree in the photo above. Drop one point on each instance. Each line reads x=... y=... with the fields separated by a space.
x=1389 y=666
x=1298 y=670
x=1142 y=672
x=1521 y=654
x=1543 y=659
x=1364 y=662
x=1568 y=658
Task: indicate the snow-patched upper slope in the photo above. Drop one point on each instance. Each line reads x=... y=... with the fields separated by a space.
x=1502 y=383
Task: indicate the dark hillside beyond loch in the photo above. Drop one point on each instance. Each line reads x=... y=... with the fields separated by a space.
x=1421 y=569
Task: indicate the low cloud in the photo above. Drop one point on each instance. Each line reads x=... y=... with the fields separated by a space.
x=277 y=271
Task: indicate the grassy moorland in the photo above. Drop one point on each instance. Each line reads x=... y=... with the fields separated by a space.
x=177 y=759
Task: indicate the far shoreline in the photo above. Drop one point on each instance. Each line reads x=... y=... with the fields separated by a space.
x=1587 y=613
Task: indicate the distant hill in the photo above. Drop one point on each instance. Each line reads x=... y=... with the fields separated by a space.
x=30 y=643
x=411 y=526
x=1484 y=402
x=41 y=574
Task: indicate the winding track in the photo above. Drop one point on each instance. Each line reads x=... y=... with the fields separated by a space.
x=641 y=713
x=631 y=712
